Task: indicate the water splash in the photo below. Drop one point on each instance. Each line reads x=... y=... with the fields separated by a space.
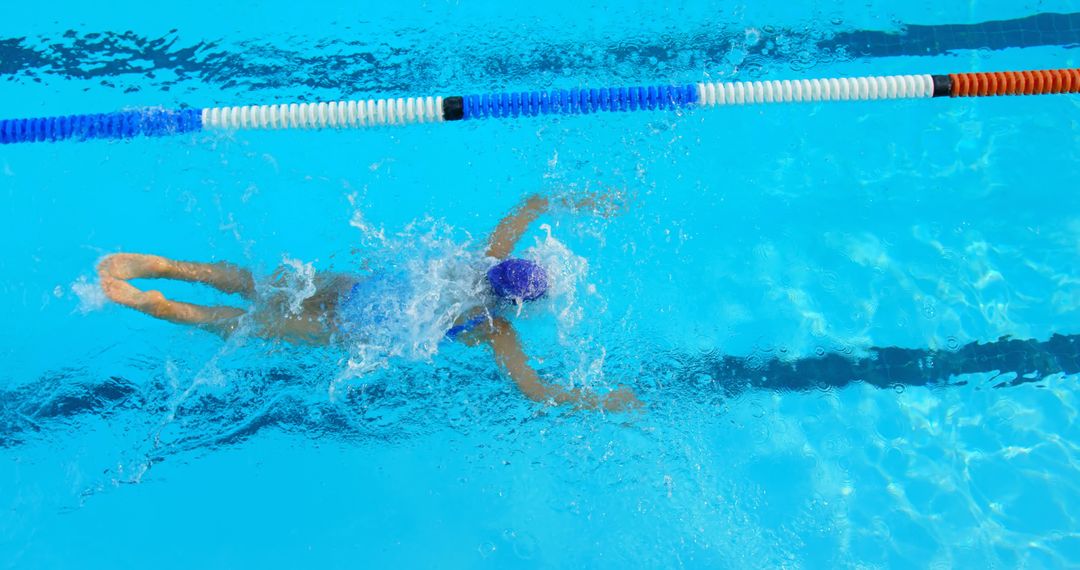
x=566 y=273
x=295 y=280
x=416 y=283
x=91 y=297
x=568 y=300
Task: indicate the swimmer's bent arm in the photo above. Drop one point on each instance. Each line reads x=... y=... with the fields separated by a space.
x=514 y=225
x=512 y=359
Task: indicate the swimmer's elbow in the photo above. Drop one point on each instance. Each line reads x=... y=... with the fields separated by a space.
x=537 y=203
x=499 y=329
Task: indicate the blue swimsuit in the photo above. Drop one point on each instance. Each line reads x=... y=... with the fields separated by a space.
x=465 y=327
x=371 y=303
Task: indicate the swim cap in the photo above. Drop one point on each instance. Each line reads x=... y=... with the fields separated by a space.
x=516 y=278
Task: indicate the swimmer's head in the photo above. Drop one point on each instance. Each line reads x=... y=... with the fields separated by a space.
x=517 y=278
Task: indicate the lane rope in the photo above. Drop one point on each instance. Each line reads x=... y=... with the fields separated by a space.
x=579 y=101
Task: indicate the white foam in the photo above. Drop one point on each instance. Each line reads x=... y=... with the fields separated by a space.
x=565 y=271
x=91 y=297
x=438 y=277
x=433 y=275
x=296 y=280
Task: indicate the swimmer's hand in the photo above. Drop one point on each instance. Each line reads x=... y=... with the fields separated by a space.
x=606 y=204
x=621 y=400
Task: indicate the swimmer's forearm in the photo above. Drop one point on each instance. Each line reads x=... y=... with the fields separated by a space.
x=512 y=359
x=528 y=381
x=514 y=362
x=579 y=398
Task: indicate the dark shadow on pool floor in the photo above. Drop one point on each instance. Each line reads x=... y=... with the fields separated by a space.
x=1015 y=361
x=132 y=62
x=52 y=403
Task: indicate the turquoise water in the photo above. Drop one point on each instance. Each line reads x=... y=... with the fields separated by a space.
x=758 y=243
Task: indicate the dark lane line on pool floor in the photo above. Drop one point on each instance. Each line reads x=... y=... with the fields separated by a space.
x=42 y=408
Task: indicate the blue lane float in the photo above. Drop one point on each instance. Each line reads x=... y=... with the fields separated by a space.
x=120 y=125
x=577 y=101
x=580 y=101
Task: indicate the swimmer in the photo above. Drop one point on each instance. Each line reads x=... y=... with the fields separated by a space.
x=341 y=304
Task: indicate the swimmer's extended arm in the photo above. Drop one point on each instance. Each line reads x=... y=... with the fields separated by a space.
x=513 y=226
x=513 y=360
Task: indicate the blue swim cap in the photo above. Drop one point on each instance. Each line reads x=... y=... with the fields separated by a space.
x=516 y=278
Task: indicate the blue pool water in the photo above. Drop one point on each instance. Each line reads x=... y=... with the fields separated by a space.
x=851 y=323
